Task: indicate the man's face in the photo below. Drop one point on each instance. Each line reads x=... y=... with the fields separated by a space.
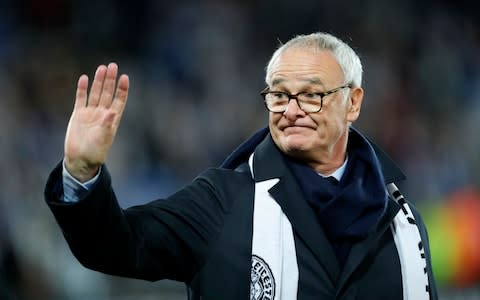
x=312 y=136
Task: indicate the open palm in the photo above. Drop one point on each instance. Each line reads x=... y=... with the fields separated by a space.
x=94 y=121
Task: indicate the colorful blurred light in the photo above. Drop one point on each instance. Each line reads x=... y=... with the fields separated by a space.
x=454 y=233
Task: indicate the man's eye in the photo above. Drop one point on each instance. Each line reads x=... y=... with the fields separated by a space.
x=311 y=95
x=277 y=95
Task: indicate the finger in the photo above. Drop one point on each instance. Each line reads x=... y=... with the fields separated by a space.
x=109 y=85
x=121 y=94
x=97 y=85
x=81 y=98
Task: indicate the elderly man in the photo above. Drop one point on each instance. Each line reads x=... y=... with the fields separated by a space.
x=306 y=209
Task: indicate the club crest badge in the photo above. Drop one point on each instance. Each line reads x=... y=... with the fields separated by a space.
x=262 y=283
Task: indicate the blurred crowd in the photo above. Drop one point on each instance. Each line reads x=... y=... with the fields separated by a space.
x=196 y=70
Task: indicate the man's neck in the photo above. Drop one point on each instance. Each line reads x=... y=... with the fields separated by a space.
x=332 y=158
x=338 y=173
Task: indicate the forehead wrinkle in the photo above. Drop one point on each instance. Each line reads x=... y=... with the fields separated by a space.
x=311 y=80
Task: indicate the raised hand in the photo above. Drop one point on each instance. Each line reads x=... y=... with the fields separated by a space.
x=94 y=121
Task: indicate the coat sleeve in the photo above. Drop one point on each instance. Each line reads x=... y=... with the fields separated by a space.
x=167 y=238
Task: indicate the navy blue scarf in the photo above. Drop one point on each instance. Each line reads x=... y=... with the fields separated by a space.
x=347 y=209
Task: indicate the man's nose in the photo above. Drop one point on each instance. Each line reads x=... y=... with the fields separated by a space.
x=293 y=110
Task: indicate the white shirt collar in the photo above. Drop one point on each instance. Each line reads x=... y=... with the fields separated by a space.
x=338 y=173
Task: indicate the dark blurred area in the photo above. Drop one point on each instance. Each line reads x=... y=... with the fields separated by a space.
x=196 y=69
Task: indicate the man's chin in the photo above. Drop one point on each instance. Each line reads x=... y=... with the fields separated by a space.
x=295 y=144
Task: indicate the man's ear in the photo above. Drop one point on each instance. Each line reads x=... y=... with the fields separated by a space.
x=355 y=103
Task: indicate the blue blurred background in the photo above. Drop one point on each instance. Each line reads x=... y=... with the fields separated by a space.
x=196 y=69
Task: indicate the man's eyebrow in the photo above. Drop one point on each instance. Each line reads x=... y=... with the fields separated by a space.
x=277 y=81
x=313 y=80
x=309 y=80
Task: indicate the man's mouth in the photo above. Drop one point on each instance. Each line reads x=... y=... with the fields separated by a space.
x=296 y=127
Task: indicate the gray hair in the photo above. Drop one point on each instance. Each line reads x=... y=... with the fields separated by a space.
x=347 y=58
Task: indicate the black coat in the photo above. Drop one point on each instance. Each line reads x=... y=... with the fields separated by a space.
x=202 y=235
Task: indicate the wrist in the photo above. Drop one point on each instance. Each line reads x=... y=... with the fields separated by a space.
x=81 y=170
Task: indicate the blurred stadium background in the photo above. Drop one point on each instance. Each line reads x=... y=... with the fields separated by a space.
x=196 y=68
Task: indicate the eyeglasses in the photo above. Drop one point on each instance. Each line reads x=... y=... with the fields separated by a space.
x=277 y=101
